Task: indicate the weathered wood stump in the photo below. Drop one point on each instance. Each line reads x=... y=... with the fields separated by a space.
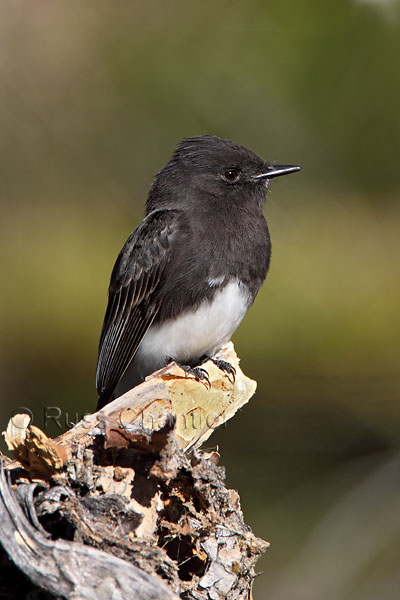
x=125 y=504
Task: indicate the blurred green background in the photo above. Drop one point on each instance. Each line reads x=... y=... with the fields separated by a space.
x=93 y=98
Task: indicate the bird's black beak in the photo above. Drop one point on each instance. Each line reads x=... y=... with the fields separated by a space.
x=276 y=171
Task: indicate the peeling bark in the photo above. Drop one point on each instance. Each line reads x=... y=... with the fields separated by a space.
x=125 y=504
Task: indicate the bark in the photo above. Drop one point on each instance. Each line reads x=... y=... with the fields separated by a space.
x=126 y=505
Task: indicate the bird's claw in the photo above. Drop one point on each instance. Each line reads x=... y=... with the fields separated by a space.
x=198 y=373
x=228 y=370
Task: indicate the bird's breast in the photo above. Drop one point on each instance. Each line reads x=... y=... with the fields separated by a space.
x=198 y=331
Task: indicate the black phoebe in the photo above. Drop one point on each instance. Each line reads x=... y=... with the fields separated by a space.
x=187 y=275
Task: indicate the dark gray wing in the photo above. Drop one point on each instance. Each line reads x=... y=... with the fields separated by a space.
x=132 y=303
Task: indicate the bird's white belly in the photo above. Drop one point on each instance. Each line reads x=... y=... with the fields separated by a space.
x=197 y=332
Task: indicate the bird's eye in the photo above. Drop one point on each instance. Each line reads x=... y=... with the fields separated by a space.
x=231 y=175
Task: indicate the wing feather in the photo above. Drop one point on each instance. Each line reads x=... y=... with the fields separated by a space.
x=132 y=303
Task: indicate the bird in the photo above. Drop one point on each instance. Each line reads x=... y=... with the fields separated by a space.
x=189 y=272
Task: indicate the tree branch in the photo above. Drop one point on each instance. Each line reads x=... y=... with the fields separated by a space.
x=125 y=501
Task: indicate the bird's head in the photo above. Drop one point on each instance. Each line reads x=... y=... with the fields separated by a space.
x=209 y=166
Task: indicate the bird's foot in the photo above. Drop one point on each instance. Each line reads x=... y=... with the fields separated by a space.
x=228 y=370
x=197 y=373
